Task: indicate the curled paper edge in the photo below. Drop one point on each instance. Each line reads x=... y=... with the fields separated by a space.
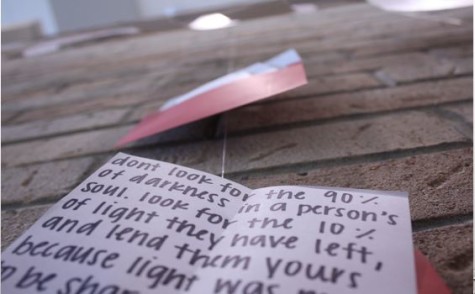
x=218 y=100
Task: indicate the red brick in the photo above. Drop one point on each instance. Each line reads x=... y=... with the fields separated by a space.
x=103 y=103
x=72 y=82
x=86 y=106
x=121 y=87
x=410 y=42
x=7 y=116
x=344 y=139
x=42 y=181
x=321 y=85
x=423 y=68
x=93 y=142
x=62 y=147
x=464 y=110
x=15 y=222
x=463 y=65
x=402 y=67
x=138 y=88
x=461 y=56
x=331 y=106
x=48 y=127
x=379 y=33
x=439 y=184
x=362 y=64
x=453 y=51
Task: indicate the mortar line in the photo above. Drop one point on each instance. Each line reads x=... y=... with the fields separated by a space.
x=434 y=223
x=343 y=161
x=461 y=124
x=343 y=118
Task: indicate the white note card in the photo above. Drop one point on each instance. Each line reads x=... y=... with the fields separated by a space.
x=138 y=225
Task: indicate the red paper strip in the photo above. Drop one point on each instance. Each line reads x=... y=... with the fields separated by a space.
x=428 y=281
x=226 y=97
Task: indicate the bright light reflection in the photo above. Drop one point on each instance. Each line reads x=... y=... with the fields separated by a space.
x=211 y=22
x=420 y=5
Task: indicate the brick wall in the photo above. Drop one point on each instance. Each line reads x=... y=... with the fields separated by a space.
x=388 y=106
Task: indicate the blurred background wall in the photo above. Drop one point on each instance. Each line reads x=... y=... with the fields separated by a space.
x=58 y=16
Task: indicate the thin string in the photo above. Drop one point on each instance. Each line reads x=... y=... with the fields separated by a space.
x=231 y=55
x=225 y=140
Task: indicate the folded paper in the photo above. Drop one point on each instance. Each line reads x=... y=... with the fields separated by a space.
x=258 y=81
x=143 y=226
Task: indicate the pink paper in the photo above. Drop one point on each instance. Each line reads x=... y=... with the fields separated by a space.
x=238 y=92
x=428 y=281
